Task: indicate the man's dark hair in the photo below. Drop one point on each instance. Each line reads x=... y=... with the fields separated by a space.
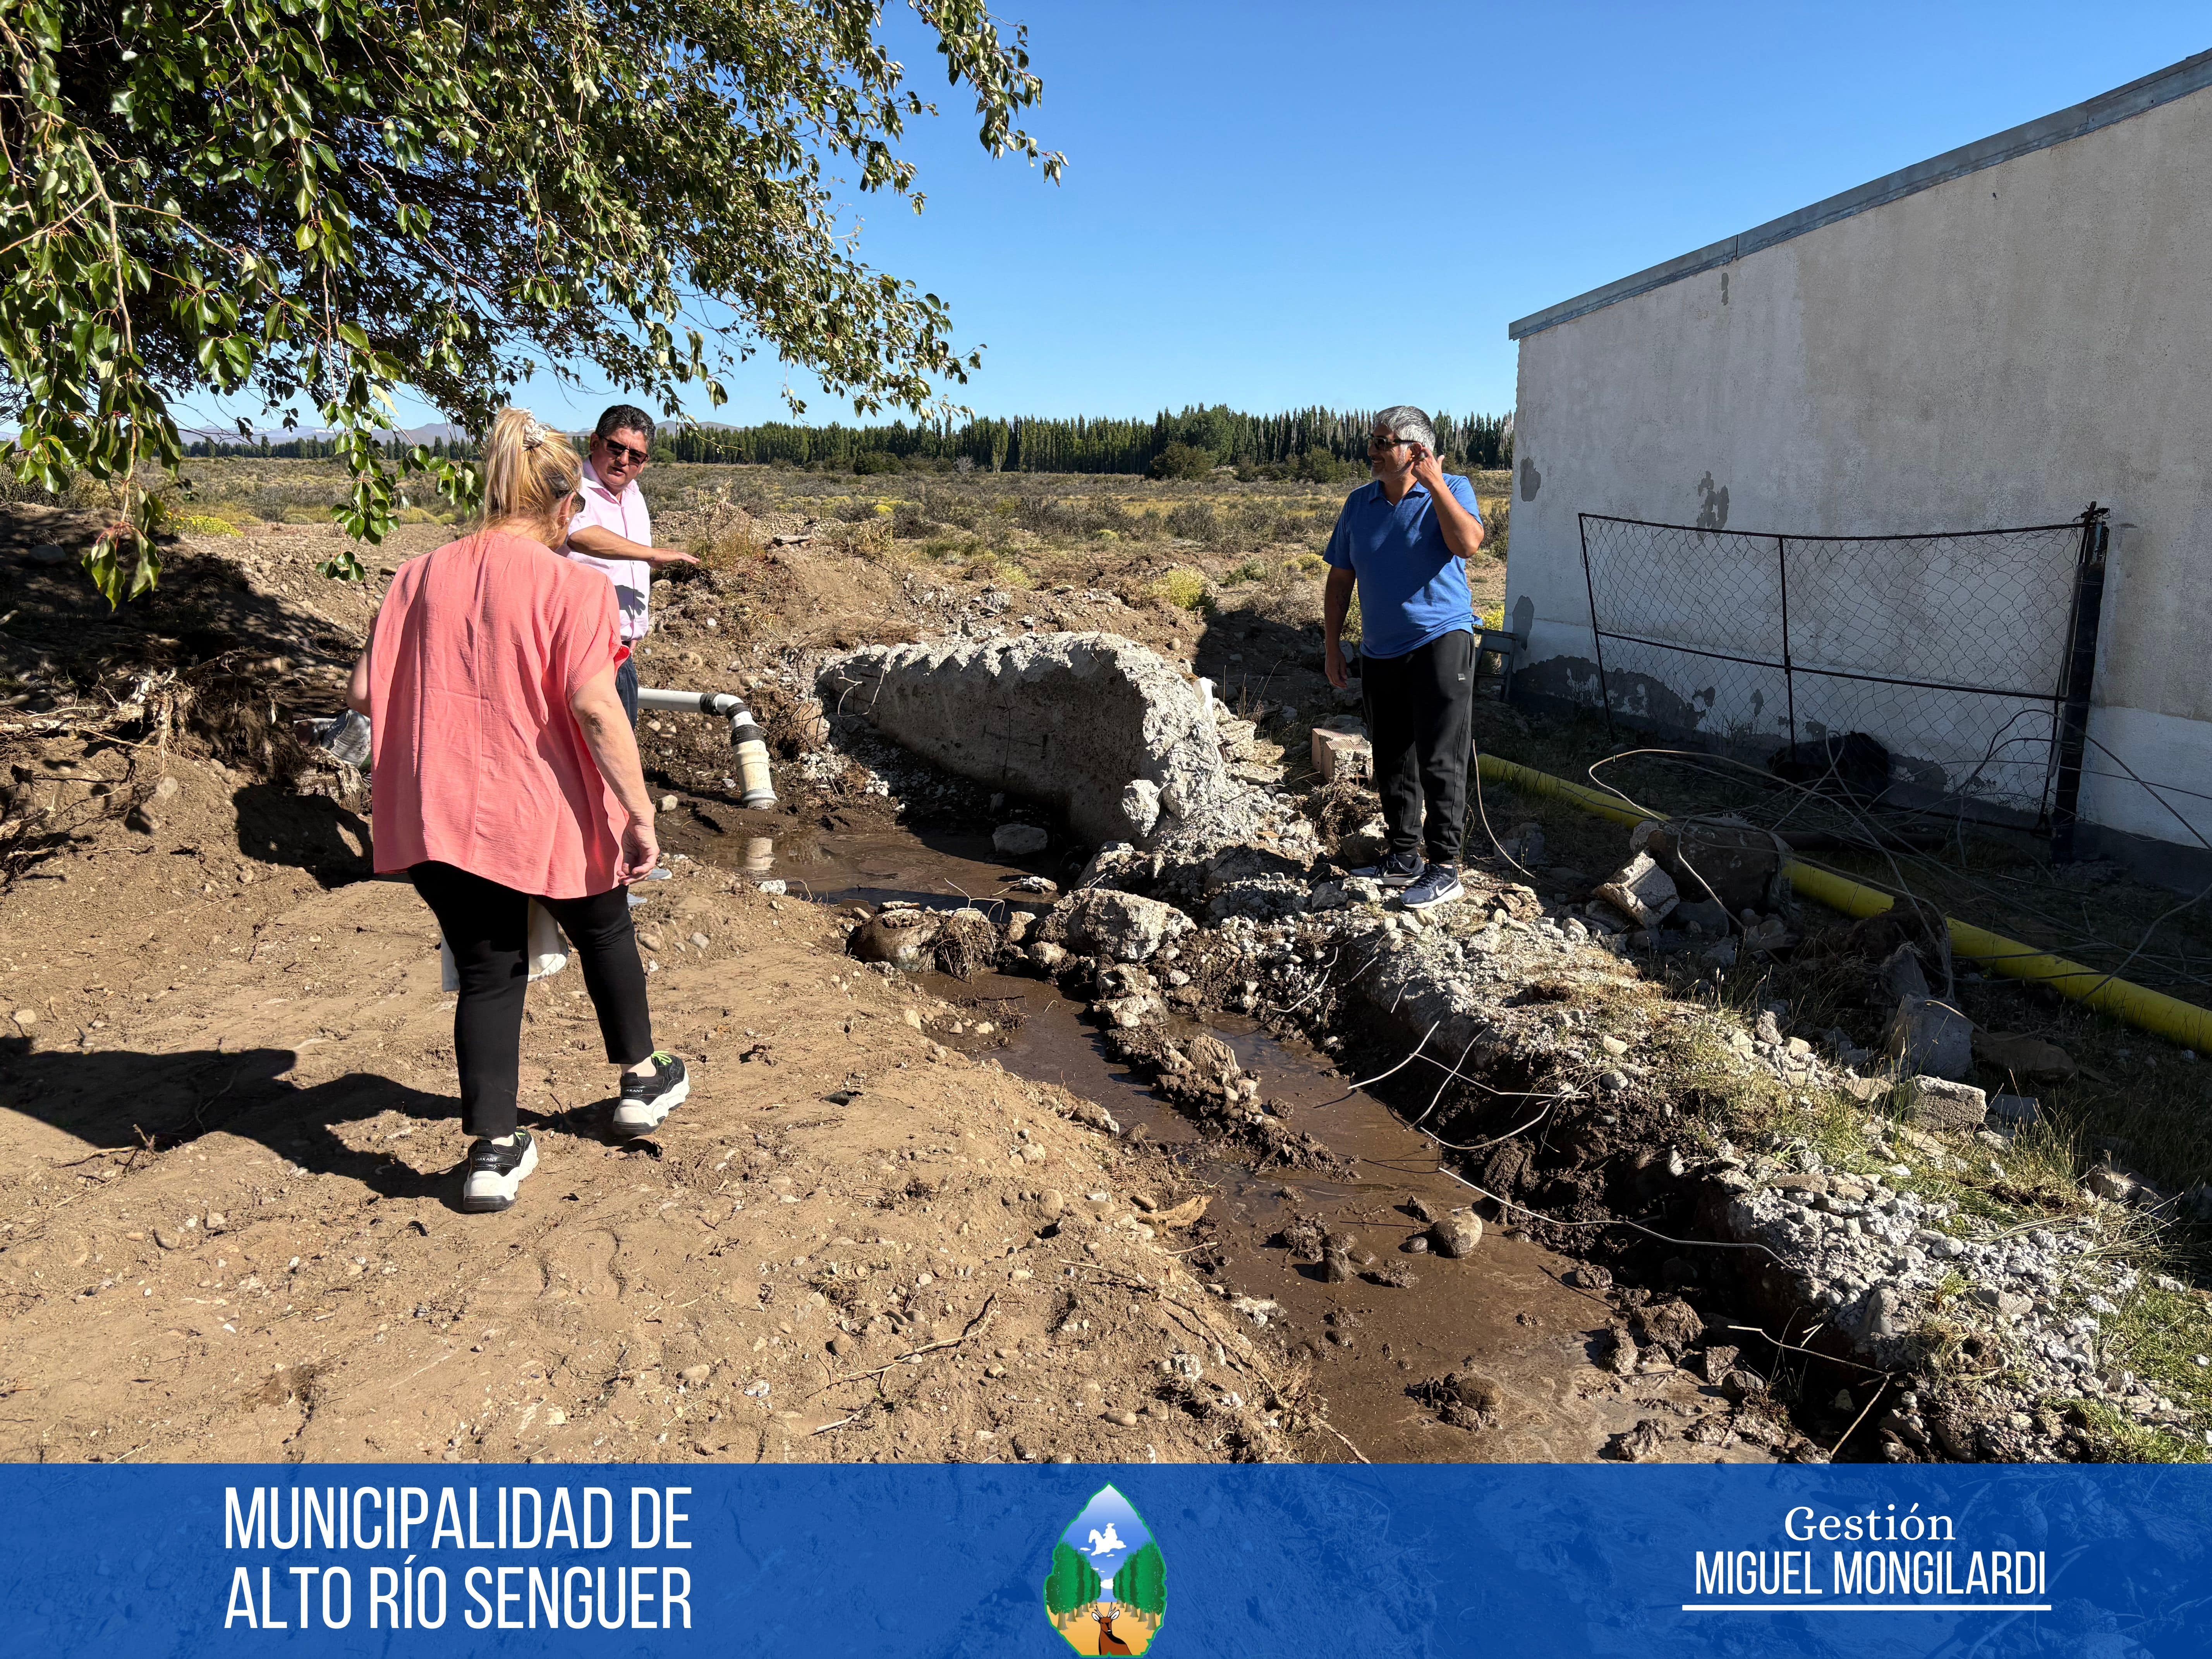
x=624 y=418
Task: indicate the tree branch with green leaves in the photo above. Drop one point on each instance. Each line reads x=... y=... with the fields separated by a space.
x=313 y=204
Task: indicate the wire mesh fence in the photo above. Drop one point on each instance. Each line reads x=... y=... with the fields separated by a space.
x=1952 y=651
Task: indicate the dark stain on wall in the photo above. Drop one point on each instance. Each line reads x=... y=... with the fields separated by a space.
x=1712 y=504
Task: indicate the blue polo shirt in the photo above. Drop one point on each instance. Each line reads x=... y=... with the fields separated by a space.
x=1412 y=588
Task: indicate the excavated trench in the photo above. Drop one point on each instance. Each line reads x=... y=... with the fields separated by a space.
x=1500 y=1356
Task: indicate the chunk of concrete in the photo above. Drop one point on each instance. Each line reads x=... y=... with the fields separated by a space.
x=1901 y=974
x=1068 y=719
x=1641 y=890
x=1342 y=755
x=1738 y=865
x=1926 y=1035
x=1103 y=922
x=1140 y=807
x=2017 y=1111
x=1018 y=841
x=1940 y=1102
x=2029 y=1059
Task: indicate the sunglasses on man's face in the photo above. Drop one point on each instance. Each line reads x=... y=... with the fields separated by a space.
x=1387 y=443
x=624 y=453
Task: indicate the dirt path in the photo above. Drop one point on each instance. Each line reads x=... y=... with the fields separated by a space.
x=286 y=1277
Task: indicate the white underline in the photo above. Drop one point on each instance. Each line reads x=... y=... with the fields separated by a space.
x=1866 y=1606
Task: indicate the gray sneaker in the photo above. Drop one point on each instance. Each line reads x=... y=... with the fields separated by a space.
x=1439 y=885
x=646 y=1101
x=1396 y=870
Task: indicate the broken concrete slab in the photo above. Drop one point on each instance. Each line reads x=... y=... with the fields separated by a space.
x=2030 y=1059
x=2018 y=1111
x=1902 y=976
x=1019 y=840
x=1930 y=1036
x=1069 y=718
x=1641 y=890
x=1103 y=922
x=1736 y=865
x=1940 y=1102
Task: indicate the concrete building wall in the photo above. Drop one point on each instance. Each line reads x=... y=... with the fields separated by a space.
x=2001 y=347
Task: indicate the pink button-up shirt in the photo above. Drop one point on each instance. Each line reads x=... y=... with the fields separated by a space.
x=626 y=516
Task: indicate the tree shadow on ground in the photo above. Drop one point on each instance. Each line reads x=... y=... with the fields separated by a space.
x=307 y=832
x=135 y=1105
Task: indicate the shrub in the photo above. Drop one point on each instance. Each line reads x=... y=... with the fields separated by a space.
x=1196 y=520
x=1184 y=589
x=1252 y=570
x=1319 y=466
x=1496 y=518
x=206 y=523
x=1182 y=460
x=1311 y=566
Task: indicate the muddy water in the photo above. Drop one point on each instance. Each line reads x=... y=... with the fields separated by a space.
x=1506 y=1312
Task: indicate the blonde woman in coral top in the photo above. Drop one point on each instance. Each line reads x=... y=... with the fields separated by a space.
x=505 y=771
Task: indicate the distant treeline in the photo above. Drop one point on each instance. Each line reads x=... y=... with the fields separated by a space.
x=1194 y=441
x=320 y=449
x=1318 y=443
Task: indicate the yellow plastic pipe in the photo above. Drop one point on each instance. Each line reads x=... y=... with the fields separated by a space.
x=2151 y=1011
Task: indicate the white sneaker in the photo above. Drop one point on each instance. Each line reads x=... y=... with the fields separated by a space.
x=646 y=1100
x=496 y=1173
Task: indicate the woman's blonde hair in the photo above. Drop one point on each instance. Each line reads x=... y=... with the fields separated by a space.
x=529 y=470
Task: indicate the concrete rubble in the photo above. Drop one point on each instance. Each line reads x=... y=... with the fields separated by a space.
x=1231 y=900
x=1071 y=720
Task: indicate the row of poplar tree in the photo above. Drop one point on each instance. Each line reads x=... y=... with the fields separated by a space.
x=1311 y=441
x=1218 y=436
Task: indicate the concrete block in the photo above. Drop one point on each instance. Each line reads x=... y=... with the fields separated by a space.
x=1939 y=1102
x=1069 y=719
x=1342 y=754
x=1931 y=1036
x=1642 y=890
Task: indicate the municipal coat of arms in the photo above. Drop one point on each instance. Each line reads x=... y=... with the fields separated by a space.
x=1107 y=1591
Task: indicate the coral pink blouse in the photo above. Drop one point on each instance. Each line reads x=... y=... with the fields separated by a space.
x=478 y=762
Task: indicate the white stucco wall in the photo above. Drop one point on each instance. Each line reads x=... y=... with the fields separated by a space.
x=2002 y=348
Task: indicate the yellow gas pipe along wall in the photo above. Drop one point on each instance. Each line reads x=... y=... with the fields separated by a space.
x=2152 y=1011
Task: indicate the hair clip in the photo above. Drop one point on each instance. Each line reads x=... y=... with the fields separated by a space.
x=534 y=432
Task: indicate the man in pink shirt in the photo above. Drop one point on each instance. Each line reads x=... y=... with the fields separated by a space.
x=612 y=532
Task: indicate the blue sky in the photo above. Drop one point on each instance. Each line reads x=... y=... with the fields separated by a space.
x=1275 y=205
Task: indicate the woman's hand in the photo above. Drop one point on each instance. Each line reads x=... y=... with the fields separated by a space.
x=641 y=851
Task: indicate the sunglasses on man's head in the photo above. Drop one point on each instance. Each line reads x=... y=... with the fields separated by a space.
x=624 y=452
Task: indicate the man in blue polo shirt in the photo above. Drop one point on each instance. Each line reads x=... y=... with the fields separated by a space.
x=1404 y=540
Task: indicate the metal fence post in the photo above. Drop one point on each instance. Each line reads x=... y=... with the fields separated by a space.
x=1789 y=678
x=1597 y=638
x=2074 y=687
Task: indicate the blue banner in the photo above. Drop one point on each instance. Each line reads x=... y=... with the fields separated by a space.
x=1176 y=1560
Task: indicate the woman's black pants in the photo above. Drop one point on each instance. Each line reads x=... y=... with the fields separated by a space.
x=487 y=928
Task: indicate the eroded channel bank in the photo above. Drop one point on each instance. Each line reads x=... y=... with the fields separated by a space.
x=1820 y=1279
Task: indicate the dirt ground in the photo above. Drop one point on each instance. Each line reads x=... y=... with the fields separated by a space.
x=285 y=1275
x=228 y=1225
